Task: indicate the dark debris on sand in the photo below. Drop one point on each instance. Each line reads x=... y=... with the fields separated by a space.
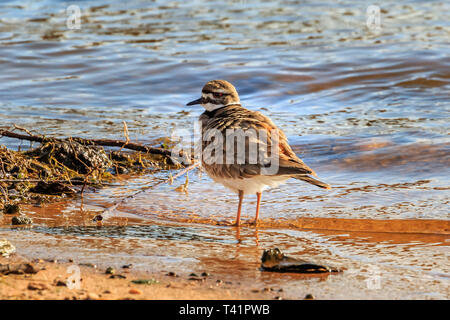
x=59 y=168
x=273 y=260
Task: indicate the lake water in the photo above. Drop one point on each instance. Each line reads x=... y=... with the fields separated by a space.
x=367 y=108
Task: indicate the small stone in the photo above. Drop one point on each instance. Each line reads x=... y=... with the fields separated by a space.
x=90 y=265
x=92 y=296
x=278 y=298
x=20 y=220
x=97 y=218
x=135 y=291
x=193 y=275
x=127 y=266
x=110 y=270
x=145 y=281
x=171 y=274
x=30 y=268
x=205 y=274
x=309 y=296
x=51 y=260
x=11 y=208
x=18 y=268
x=273 y=260
x=37 y=286
x=117 y=276
x=6 y=248
x=60 y=283
x=195 y=279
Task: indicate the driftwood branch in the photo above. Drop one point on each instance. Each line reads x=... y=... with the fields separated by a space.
x=73 y=182
x=97 y=142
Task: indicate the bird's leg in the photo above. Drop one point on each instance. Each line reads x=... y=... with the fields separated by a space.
x=258 y=204
x=238 y=216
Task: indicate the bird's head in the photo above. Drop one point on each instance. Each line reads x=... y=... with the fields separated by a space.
x=217 y=94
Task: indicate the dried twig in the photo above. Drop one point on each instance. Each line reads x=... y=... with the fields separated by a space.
x=98 y=142
x=71 y=181
x=22 y=129
x=5 y=194
x=125 y=131
x=2 y=167
x=169 y=180
x=86 y=180
x=10 y=134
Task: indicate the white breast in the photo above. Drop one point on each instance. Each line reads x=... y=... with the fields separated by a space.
x=251 y=185
x=211 y=107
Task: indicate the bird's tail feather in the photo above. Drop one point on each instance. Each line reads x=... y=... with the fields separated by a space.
x=312 y=181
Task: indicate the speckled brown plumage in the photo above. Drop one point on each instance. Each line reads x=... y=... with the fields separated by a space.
x=225 y=114
x=237 y=117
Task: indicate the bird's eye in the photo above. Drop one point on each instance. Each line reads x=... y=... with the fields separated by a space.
x=217 y=94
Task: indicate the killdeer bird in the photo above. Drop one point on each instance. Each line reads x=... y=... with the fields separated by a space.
x=224 y=115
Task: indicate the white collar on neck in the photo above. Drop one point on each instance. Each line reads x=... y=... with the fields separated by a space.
x=211 y=107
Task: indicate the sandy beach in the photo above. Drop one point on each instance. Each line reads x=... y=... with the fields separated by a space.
x=51 y=280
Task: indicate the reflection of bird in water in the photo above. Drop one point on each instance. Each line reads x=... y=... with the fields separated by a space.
x=224 y=114
x=239 y=238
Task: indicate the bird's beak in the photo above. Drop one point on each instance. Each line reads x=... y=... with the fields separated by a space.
x=198 y=101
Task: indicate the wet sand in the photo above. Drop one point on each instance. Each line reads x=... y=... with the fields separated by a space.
x=380 y=259
x=50 y=283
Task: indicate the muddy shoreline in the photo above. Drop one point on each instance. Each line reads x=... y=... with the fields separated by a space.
x=51 y=282
x=222 y=262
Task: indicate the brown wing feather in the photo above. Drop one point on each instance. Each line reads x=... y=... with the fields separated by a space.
x=289 y=163
x=237 y=117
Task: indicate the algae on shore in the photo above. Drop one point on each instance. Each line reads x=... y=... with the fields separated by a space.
x=64 y=167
